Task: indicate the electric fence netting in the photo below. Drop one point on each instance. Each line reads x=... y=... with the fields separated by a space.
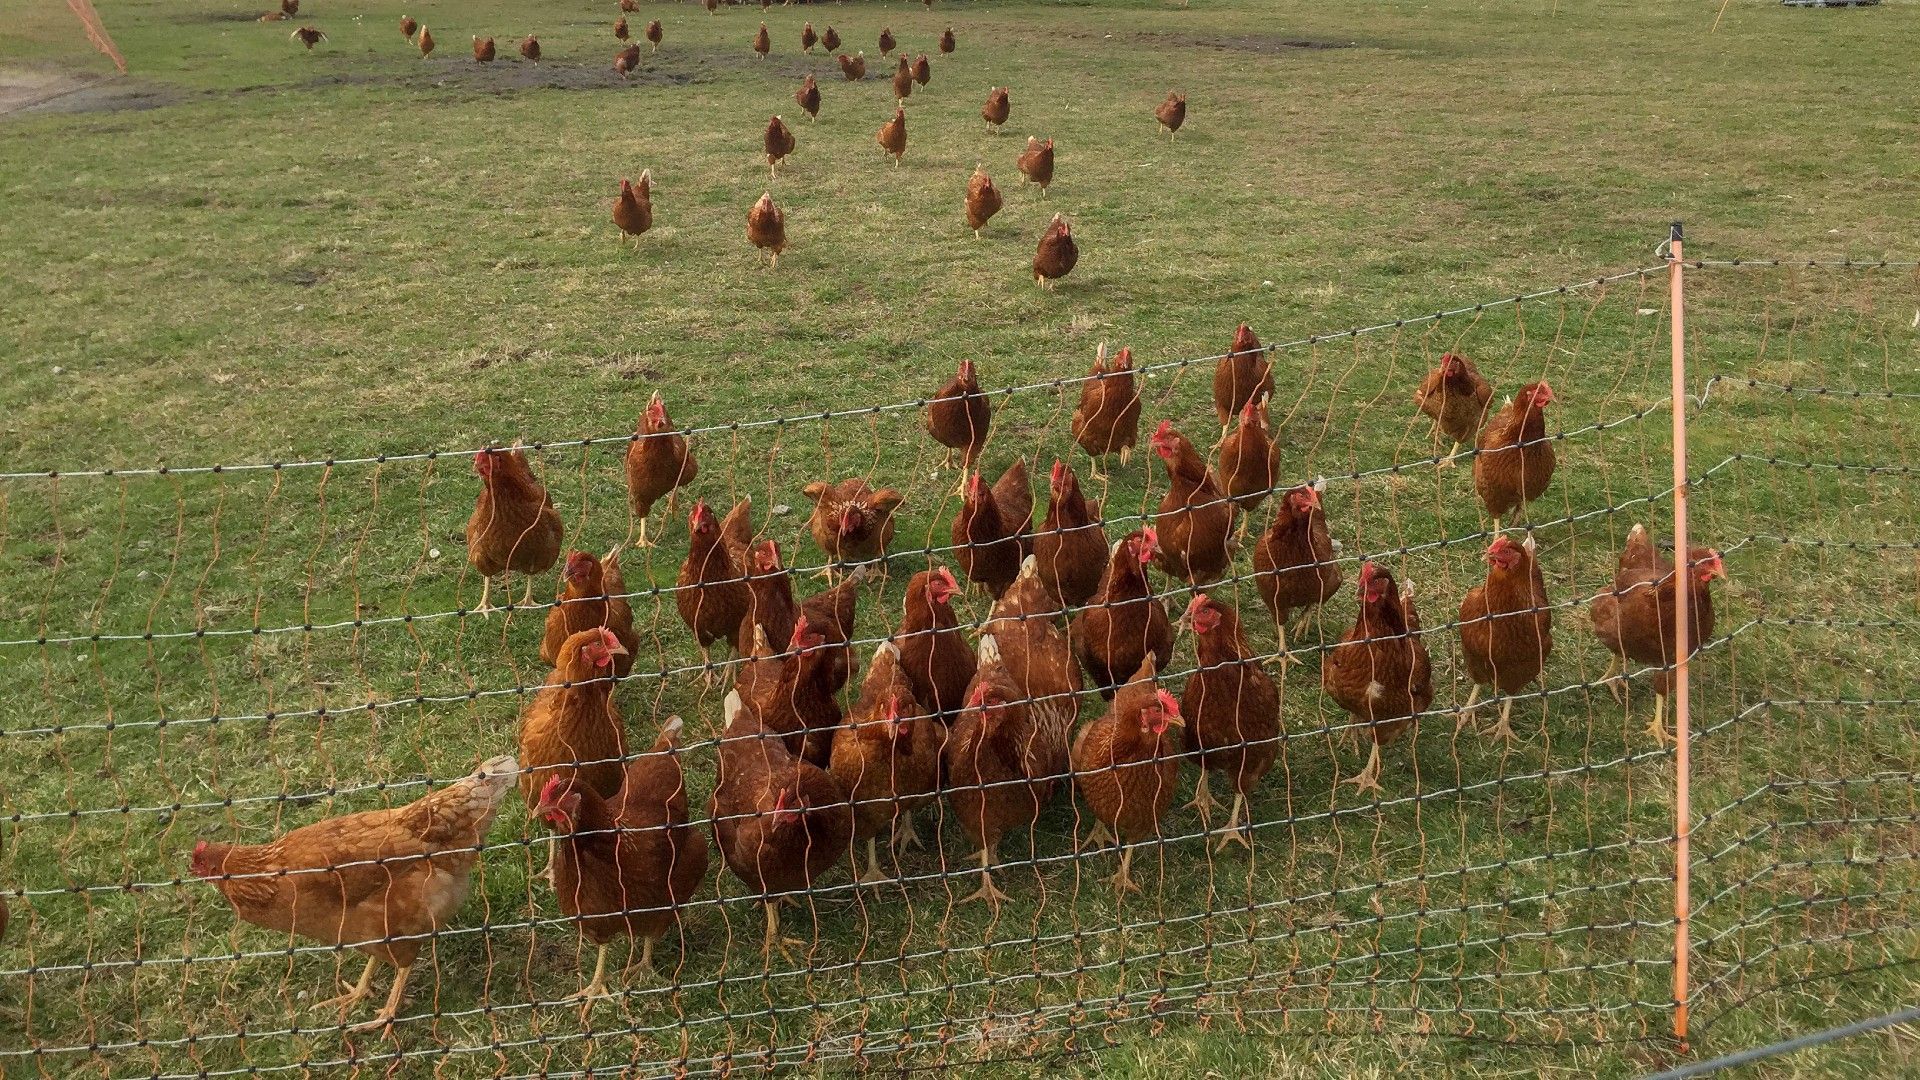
x=228 y=652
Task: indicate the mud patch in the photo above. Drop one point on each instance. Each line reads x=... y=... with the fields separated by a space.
x=24 y=91
x=1262 y=44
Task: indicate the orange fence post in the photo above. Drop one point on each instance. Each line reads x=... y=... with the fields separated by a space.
x=1682 y=726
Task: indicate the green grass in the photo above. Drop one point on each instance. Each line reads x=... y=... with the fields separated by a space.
x=354 y=252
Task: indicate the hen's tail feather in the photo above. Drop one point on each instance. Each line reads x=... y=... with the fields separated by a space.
x=97 y=32
x=989 y=650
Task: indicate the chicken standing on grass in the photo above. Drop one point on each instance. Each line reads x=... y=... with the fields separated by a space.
x=1249 y=464
x=425 y=42
x=1515 y=461
x=852 y=68
x=991 y=530
x=712 y=595
x=767 y=228
x=1244 y=374
x=1124 y=623
x=382 y=881
x=946 y=40
x=1036 y=164
x=514 y=527
x=886 y=754
x=922 y=70
x=1127 y=767
x=808 y=39
x=903 y=80
x=809 y=97
x=1293 y=563
x=830 y=40
x=620 y=32
x=983 y=200
x=778 y=142
x=1196 y=518
x=1506 y=628
x=780 y=822
x=629 y=5
x=633 y=207
x=852 y=522
x=886 y=41
x=892 y=136
x=1232 y=709
x=626 y=60
x=998 y=107
x=571 y=727
x=1056 y=255
x=1070 y=547
x=659 y=461
x=959 y=417
x=1634 y=619
x=308 y=36
x=655 y=35
x=1379 y=672
x=625 y=865
x=933 y=653
x=408 y=26
x=1456 y=396
x=762 y=43
x=1172 y=113
x=1107 y=420
x=483 y=50
x=590 y=597
x=530 y=48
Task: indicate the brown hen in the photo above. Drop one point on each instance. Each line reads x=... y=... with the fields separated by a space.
x=1456 y=396
x=1379 y=672
x=1506 y=628
x=514 y=527
x=1126 y=766
x=1107 y=420
x=1293 y=562
x=1232 y=711
x=1124 y=622
x=1196 y=518
x=659 y=462
x=1515 y=461
x=1070 y=548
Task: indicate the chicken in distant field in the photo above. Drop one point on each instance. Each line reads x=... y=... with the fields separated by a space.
x=408 y=26
x=808 y=39
x=629 y=5
x=633 y=207
x=1634 y=619
x=1379 y=672
x=712 y=6
x=1070 y=547
x=767 y=228
x=654 y=35
x=933 y=654
x=1293 y=562
x=851 y=522
x=922 y=70
x=590 y=597
x=530 y=48
x=659 y=461
x=853 y=68
x=1249 y=464
x=425 y=42
x=886 y=755
x=1244 y=374
x=892 y=136
x=1232 y=709
x=1124 y=623
x=998 y=107
x=762 y=43
x=712 y=595
x=514 y=527
x=1196 y=518
x=1107 y=420
x=778 y=142
x=1126 y=765
x=289 y=8
x=626 y=60
x=903 y=80
x=946 y=40
x=1056 y=255
x=308 y=36
x=380 y=881
x=830 y=41
x=483 y=50
x=1515 y=461
x=983 y=200
x=624 y=866
x=1506 y=628
x=959 y=417
x=990 y=531
x=1456 y=396
x=886 y=41
x=1036 y=164
x=809 y=97
x=1171 y=113
x=779 y=821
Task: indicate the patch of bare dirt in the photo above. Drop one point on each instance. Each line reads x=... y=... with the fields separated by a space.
x=49 y=90
x=1263 y=44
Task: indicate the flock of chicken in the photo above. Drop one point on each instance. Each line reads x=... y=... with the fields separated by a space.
x=804 y=782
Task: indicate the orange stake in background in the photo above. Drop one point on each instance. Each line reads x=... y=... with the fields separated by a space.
x=1682 y=732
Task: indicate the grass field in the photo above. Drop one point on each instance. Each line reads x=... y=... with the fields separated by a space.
x=245 y=252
